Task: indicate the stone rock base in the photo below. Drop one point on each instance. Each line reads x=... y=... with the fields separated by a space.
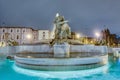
x=61 y=50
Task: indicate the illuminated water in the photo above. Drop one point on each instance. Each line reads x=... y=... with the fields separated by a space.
x=111 y=71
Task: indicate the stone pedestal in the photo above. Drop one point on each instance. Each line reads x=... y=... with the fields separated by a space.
x=61 y=50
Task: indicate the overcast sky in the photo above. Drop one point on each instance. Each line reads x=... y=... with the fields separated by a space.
x=84 y=16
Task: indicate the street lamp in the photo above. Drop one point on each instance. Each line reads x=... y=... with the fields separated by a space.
x=29 y=36
x=77 y=36
x=97 y=34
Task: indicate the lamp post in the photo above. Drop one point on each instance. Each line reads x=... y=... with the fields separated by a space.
x=77 y=36
x=97 y=34
x=29 y=37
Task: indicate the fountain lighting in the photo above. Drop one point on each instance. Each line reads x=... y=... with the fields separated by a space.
x=61 y=74
x=61 y=48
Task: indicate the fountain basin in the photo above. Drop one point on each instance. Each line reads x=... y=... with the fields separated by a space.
x=61 y=63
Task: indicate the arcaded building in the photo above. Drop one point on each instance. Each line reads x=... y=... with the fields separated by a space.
x=22 y=35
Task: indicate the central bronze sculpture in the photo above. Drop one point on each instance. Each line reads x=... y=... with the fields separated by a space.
x=62 y=30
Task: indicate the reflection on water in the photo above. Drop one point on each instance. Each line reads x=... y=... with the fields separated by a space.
x=61 y=74
x=8 y=71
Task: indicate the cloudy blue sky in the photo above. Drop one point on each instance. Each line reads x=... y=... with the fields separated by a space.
x=84 y=16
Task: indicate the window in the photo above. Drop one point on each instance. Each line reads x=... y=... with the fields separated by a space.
x=11 y=37
x=43 y=35
x=118 y=51
x=17 y=30
x=3 y=37
x=3 y=30
x=17 y=37
x=11 y=30
x=43 y=32
x=23 y=31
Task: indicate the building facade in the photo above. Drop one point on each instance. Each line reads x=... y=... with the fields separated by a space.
x=43 y=35
x=18 y=34
x=24 y=35
x=108 y=38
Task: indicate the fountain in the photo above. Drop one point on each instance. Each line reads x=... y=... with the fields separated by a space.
x=61 y=55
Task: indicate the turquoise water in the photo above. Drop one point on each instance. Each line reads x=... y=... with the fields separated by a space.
x=111 y=71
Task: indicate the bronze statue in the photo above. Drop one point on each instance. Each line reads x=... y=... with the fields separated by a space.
x=62 y=30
